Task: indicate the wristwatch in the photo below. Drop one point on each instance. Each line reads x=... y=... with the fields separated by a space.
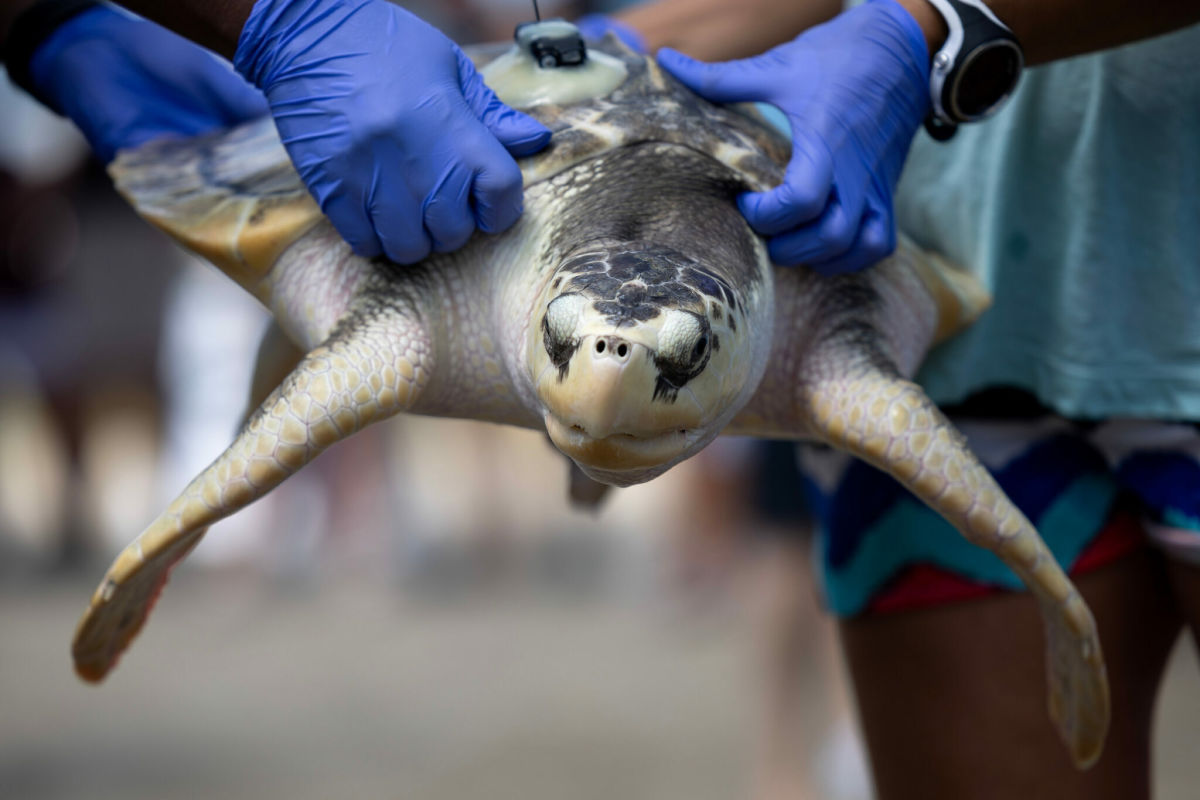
x=976 y=69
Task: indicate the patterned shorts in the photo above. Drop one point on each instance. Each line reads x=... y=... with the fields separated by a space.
x=1095 y=491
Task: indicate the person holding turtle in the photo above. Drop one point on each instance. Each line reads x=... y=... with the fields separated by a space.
x=386 y=120
x=1080 y=389
x=1072 y=203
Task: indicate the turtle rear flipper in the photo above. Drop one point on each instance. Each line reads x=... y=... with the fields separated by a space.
x=373 y=366
x=890 y=423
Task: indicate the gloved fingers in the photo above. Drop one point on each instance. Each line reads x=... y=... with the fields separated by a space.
x=497 y=190
x=803 y=195
x=395 y=213
x=725 y=82
x=826 y=238
x=498 y=195
x=353 y=222
x=447 y=210
x=521 y=134
x=402 y=240
x=875 y=240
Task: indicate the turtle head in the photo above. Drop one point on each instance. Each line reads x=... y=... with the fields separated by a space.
x=640 y=356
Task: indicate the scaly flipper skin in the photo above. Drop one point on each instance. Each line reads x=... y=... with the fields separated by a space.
x=890 y=423
x=373 y=366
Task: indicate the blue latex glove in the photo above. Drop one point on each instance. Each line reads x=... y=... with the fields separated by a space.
x=595 y=26
x=855 y=91
x=388 y=123
x=124 y=81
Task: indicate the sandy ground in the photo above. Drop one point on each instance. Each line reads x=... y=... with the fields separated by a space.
x=344 y=687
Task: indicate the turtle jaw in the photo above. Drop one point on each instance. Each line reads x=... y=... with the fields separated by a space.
x=622 y=459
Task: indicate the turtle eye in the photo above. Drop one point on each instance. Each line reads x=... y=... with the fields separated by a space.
x=683 y=338
x=683 y=351
x=558 y=329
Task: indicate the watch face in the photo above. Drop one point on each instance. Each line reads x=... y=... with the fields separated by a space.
x=986 y=77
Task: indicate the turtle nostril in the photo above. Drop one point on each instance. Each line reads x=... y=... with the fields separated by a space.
x=613 y=347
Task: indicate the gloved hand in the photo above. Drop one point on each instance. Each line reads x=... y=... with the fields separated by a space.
x=388 y=123
x=595 y=26
x=125 y=81
x=854 y=90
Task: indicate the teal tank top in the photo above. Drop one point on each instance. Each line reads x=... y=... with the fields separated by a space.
x=1079 y=207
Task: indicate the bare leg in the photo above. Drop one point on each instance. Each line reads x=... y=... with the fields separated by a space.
x=1185 y=581
x=952 y=698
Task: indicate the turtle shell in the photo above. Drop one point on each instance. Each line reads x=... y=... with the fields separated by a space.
x=234 y=198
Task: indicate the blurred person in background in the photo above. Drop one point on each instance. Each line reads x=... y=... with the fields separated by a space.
x=1080 y=389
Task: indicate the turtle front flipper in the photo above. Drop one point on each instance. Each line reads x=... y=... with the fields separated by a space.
x=890 y=423
x=373 y=366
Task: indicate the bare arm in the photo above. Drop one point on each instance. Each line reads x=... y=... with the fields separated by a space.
x=1052 y=30
x=718 y=30
x=1048 y=29
x=216 y=24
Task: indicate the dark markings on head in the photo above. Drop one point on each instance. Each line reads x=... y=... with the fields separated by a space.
x=637 y=284
x=714 y=286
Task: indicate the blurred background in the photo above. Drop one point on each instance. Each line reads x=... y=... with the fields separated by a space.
x=418 y=614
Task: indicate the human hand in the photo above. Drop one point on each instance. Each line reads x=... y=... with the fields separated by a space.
x=124 y=81
x=388 y=123
x=855 y=91
x=595 y=26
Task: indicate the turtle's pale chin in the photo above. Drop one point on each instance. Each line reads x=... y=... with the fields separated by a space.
x=622 y=459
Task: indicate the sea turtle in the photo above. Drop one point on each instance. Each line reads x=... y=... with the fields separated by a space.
x=631 y=313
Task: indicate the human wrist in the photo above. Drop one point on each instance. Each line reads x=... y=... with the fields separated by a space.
x=255 y=42
x=275 y=31
x=932 y=25
x=905 y=40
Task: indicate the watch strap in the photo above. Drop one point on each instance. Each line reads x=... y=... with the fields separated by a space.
x=972 y=30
